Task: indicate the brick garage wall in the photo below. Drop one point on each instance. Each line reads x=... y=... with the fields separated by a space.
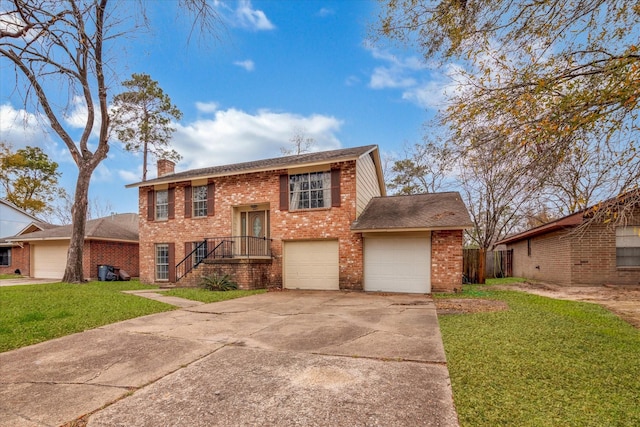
x=260 y=188
x=446 y=260
x=118 y=254
x=20 y=259
x=547 y=259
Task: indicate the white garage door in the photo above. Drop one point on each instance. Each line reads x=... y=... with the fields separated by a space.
x=397 y=263
x=311 y=265
x=49 y=259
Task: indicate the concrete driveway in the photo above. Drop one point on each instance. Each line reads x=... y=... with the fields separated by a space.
x=26 y=281
x=281 y=358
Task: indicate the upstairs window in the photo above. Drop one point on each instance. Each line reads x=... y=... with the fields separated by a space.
x=199 y=200
x=310 y=190
x=162 y=204
x=628 y=246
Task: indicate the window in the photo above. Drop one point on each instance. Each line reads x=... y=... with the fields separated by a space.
x=162 y=204
x=162 y=262
x=200 y=253
x=310 y=190
x=5 y=257
x=200 y=201
x=628 y=246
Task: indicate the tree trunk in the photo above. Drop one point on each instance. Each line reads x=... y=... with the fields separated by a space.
x=73 y=272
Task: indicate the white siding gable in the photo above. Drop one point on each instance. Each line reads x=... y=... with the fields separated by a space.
x=366 y=182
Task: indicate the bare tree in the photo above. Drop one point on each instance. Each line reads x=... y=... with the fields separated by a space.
x=54 y=45
x=542 y=75
x=301 y=143
x=424 y=169
x=97 y=207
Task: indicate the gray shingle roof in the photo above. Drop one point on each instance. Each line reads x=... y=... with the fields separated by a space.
x=260 y=165
x=421 y=211
x=122 y=227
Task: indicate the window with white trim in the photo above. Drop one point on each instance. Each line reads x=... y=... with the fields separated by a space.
x=162 y=261
x=310 y=190
x=5 y=257
x=162 y=204
x=628 y=246
x=199 y=195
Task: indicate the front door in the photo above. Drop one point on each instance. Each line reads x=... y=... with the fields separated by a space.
x=254 y=230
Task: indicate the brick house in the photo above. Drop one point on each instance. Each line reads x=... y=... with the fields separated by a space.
x=112 y=240
x=283 y=222
x=575 y=251
x=13 y=220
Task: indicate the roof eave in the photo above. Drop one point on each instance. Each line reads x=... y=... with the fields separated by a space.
x=409 y=229
x=172 y=178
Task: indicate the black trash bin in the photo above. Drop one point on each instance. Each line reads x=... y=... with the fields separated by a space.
x=103 y=270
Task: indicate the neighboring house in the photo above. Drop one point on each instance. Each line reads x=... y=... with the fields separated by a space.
x=575 y=251
x=13 y=220
x=112 y=240
x=291 y=222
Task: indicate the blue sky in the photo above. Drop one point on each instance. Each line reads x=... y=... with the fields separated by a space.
x=278 y=66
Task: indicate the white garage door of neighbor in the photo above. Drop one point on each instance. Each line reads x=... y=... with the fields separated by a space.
x=49 y=260
x=311 y=265
x=397 y=263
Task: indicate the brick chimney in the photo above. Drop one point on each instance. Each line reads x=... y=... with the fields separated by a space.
x=165 y=167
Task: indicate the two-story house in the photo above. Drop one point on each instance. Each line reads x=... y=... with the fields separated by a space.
x=292 y=222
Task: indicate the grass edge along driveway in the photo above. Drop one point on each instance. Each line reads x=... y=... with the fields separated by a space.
x=542 y=362
x=30 y=314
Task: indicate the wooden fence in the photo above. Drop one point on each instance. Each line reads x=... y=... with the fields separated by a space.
x=493 y=264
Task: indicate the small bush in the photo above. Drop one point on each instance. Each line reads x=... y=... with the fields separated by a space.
x=217 y=282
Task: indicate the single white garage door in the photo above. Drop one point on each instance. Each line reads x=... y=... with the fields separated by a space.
x=311 y=265
x=49 y=259
x=397 y=263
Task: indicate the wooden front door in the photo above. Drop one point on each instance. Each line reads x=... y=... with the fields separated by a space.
x=254 y=230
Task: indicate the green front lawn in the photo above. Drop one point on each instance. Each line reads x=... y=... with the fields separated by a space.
x=9 y=276
x=542 y=362
x=33 y=313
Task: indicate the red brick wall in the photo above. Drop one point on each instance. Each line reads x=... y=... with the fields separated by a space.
x=548 y=260
x=259 y=188
x=587 y=257
x=593 y=260
x=20 y=259
x=118 y=254
x=446 y=260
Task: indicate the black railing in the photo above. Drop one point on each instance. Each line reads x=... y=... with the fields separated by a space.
x=224 y=247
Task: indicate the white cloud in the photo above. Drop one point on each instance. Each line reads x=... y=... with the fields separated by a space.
x=250 y=18
x=207 y=107
x=384 y=77
x=324 y=12
x=233 y=136
x=20 y=128
x=246 y=64
x=422 y=85
x=352 y=80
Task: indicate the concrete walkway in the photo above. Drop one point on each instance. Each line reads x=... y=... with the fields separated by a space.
x=280 y=358
x=157 y=295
